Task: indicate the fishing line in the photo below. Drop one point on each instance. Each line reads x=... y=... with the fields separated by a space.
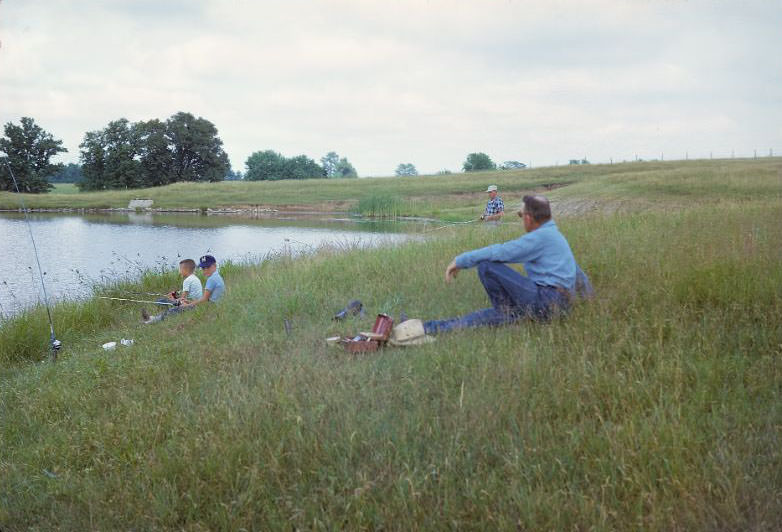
x=54 y=342
x=450 y=224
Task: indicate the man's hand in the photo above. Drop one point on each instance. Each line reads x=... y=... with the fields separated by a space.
x=451 y=271
x=483 y=217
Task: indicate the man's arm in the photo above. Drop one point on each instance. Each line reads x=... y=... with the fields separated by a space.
x=492 y=217
x=451 y=271
x=522 y=249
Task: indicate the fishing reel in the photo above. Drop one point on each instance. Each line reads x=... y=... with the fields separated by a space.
x=56 y=345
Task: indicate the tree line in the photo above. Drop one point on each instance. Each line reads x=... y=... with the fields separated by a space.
x=270 y=166
x=152 y=153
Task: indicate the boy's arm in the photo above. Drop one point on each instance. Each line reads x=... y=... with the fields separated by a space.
x=205 y=297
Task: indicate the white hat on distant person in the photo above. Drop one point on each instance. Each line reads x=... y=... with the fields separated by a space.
x=492 y=188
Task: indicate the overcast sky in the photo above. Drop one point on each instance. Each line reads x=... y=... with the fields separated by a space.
x=424 y=82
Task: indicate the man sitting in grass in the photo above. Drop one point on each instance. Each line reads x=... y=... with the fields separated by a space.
x=553 y=277
x=191 y=297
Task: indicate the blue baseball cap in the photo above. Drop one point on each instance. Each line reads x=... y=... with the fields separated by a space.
x=206 y=261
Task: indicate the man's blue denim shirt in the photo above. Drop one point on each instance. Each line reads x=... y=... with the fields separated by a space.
x=545 y=253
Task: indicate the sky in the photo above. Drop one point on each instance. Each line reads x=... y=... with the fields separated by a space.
x=421 y=82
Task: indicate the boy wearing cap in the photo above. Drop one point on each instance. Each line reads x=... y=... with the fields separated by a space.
x=214 y=287
x=213 y=290
x=495 y=208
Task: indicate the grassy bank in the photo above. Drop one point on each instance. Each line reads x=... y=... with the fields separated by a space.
x=455 y=196
x=658 y=405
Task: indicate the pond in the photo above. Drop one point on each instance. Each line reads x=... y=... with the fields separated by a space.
x=79 y=251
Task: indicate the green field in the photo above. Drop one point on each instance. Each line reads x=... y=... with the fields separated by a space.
x=65 y=188
x=655 y=406
x=627 y=186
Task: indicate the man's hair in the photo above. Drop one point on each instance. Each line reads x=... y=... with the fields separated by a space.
x=538 y=207
x=189 y=264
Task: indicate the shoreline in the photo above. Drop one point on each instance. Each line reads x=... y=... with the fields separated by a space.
x=238 y=212
x=109 y=286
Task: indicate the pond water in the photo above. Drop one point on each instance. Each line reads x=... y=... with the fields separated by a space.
x=79 y=251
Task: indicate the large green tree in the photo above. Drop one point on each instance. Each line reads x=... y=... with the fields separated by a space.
x=406 y=169
x=478 y=161
x=198 y=151
x=111 y=157
x=155 y=153
x=302 y=167
x=336 y=166
x=152 y=153
x=269 y=165
x=28 y=151
x=265 y=165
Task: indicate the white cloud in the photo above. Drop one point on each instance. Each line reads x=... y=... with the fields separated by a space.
x=422 y=82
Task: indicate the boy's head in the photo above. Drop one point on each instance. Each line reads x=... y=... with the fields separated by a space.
x=186 y=267
x=208 y=264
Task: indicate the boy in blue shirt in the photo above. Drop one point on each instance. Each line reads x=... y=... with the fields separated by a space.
x=214 y=287
x=213 y=290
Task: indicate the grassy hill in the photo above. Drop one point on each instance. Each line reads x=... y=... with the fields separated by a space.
x=454 y=196
x=657 y=405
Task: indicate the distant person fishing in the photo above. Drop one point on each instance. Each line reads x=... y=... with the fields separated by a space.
x=495 y=208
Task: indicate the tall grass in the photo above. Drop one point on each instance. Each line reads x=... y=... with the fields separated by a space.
x=654 y=406
x=381 y=205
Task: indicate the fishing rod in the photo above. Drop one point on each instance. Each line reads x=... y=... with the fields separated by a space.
x=449 y=224
x=54 y=343
x=144 y=293
x=138 y=301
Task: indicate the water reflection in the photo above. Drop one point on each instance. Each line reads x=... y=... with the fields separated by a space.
x=78 y=251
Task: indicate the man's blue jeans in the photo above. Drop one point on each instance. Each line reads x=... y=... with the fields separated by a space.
x=513 y=297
